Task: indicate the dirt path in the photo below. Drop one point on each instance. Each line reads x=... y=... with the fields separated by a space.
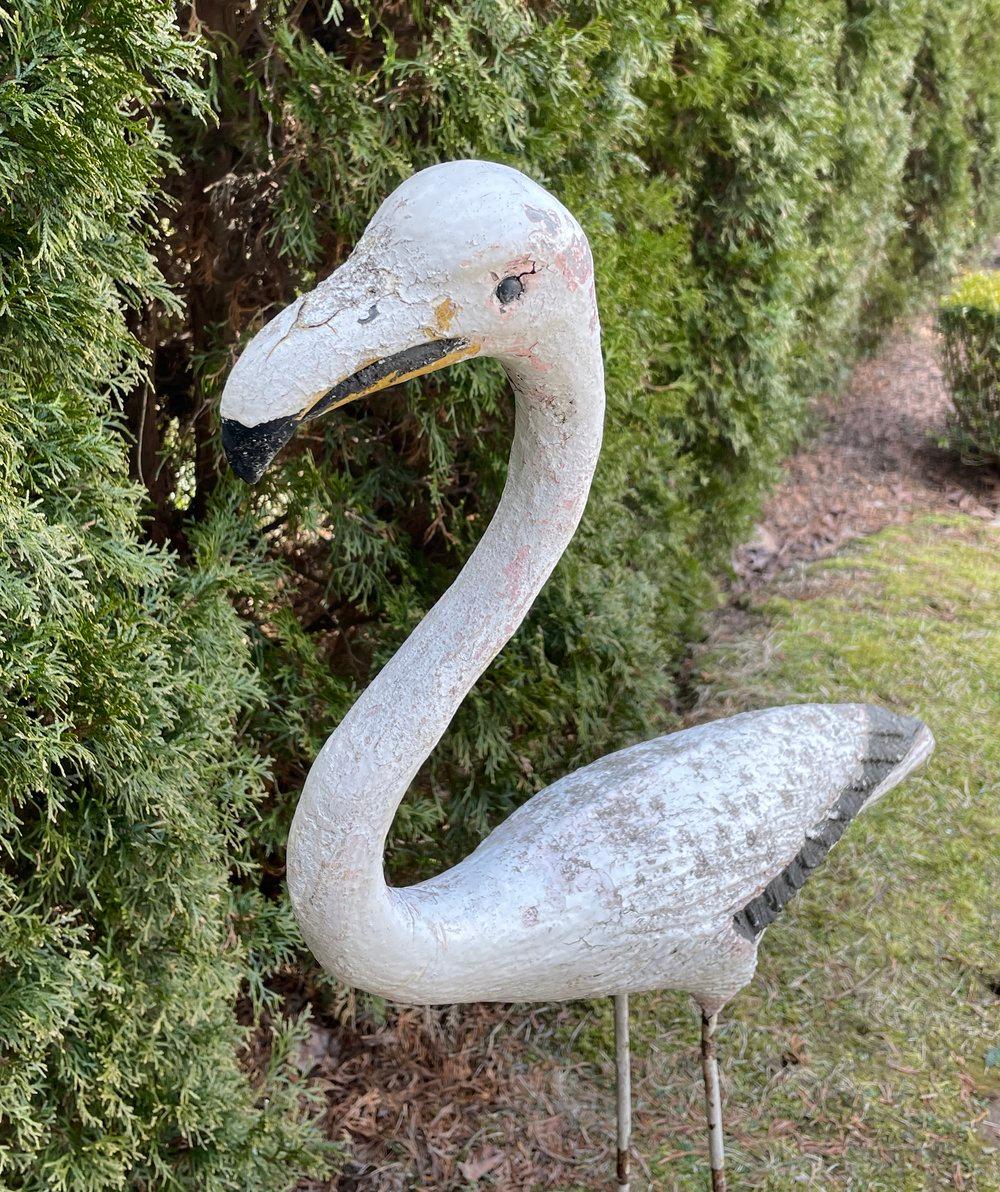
x=508 y=1097
x=876 y=462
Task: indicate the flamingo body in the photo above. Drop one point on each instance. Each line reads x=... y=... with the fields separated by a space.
x=658 y=866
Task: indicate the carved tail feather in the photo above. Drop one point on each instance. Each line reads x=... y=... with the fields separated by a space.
x=895 y=745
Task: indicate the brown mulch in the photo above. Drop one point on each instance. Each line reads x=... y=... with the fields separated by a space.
x=877 y=461
x=443 y=1099
x=440 y=1098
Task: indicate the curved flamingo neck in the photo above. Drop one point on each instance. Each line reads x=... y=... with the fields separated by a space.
x=337 y=840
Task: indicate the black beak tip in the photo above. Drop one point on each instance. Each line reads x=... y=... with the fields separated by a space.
x=250 y=449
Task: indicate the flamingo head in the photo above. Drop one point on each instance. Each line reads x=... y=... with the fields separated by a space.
x=464 y=259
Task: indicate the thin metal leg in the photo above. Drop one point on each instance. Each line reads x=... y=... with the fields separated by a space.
x=623 y=1089
x=713 y=1102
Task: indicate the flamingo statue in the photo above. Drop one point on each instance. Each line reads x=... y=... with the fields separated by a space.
x=657 y=867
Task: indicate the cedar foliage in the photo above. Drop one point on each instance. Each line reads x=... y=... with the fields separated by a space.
x=125 y=794
x=764 y=184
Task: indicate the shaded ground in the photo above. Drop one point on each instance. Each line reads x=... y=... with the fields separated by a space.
x=855 y=1060
x=454 y=1098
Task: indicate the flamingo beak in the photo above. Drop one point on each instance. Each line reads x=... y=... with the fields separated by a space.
x=251 y=449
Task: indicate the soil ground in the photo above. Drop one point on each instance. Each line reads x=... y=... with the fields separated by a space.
x=522 y=1097
x=878 y=460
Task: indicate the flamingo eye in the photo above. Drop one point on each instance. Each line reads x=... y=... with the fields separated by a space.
x=509 y=289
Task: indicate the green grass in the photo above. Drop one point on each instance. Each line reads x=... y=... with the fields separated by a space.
x=858 y=1057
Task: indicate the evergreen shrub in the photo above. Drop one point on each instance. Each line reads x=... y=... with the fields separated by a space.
x=969 y=321
x=124 y=794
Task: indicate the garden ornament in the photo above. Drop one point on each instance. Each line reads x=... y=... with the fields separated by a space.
x=656 y=867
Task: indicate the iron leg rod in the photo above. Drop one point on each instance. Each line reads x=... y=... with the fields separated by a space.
x=623 y=1089
x=713 y=1102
